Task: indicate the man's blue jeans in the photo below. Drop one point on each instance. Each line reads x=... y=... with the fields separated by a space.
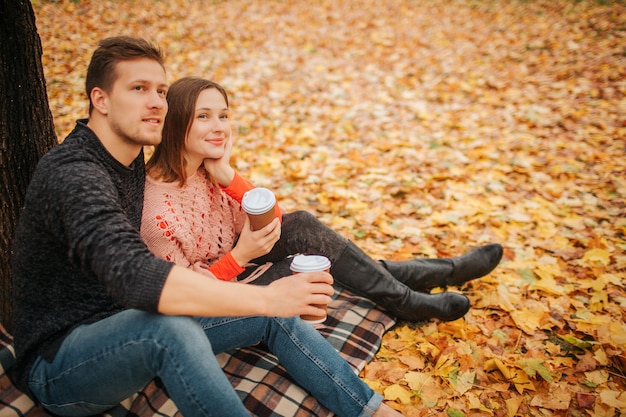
x=100 y=364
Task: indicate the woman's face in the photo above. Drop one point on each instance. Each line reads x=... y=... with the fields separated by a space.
x=210 y=128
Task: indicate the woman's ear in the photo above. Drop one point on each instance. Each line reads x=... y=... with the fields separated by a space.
x=99 y=100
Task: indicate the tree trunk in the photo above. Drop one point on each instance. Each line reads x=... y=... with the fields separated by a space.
x=26 y=127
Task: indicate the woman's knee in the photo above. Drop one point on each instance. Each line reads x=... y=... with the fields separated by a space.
x=303 y=219
x=305 y=233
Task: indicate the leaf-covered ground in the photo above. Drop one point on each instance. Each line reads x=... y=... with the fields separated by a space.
x=425 y=128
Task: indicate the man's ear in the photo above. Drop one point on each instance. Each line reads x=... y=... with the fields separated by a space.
x=100 y=100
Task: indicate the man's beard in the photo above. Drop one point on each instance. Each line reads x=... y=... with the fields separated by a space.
x=137 y=137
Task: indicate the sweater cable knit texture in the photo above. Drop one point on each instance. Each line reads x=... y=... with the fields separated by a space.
x=195 y=226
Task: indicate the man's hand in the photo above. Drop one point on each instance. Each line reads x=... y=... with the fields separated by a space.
x=294 y=295
x=187 y=292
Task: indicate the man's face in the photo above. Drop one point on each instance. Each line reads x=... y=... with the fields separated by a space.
x=136 y=105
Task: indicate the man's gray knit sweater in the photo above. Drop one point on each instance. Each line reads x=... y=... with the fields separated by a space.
x=78 y=255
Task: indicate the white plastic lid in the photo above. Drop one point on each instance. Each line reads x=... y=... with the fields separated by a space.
x=309 y=263
x=258 y=201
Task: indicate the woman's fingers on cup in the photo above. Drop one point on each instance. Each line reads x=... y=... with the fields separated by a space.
x=275 y=229
x=271 y=227
x=279 y=228
x=269 y=235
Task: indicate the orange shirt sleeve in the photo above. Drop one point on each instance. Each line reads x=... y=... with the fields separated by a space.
x=226 y=268
x=239 y=186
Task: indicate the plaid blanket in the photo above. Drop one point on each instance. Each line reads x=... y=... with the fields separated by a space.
x=354 y=327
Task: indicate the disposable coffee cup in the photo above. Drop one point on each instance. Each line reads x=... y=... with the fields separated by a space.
x=311 y=263
x=259 y=204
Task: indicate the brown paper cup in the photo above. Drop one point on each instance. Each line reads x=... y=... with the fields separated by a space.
x=311 y=263
x=259 y=221
x=259 y=204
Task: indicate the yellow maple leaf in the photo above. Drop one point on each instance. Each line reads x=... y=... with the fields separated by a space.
x=428 y=348
x=376 y=385
x=600 y=356
x=546 y=229
x=464 y=382
x=615 y=399
x=558 y=398
x=598 y=300
x=397 y=392
x=474 y=403
x=407 y=335
x=530 y=318
x=617 y=334
x=548 y=285
x=506 y=298
x=546 y=271
x=599 y=376
x=456 y=328
x=385 y=353
x=416 y=380
x=511 y=374
x=600 y=282
x=596 y=255
x=445 y=365
x=502 y=298
x=512 y=405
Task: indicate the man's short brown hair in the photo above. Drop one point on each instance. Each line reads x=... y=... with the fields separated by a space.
x=102 y=67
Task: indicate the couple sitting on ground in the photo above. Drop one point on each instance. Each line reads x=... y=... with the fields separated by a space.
x=98 y=315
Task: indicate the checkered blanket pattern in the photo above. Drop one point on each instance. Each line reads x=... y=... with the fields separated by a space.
x=354 y=327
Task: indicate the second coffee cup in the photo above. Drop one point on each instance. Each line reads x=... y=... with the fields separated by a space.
x=311 y=263
x=259 y=204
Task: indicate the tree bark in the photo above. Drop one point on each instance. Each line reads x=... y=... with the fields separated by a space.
x=26 y=127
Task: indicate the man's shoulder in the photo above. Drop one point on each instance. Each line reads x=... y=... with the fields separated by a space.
x=80 y=147
x=66 y=168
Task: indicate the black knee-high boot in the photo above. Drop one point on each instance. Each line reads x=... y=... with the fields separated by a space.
x=424 y=274
x=357 y=272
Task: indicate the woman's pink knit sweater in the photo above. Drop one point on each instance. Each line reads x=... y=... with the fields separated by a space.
x=195 y=226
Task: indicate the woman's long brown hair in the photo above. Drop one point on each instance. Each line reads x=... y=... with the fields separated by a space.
x=167 y=163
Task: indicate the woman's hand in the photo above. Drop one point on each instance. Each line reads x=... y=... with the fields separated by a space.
x=254 y=244
x=220 y=168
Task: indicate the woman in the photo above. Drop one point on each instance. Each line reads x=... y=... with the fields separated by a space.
x=192 y=215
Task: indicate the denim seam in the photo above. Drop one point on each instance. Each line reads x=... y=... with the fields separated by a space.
x=320 y=365
x=183 y=381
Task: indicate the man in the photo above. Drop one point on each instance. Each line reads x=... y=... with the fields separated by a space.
x=97 y=316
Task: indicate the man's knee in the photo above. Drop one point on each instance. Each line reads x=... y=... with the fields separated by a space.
x=177 y=330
